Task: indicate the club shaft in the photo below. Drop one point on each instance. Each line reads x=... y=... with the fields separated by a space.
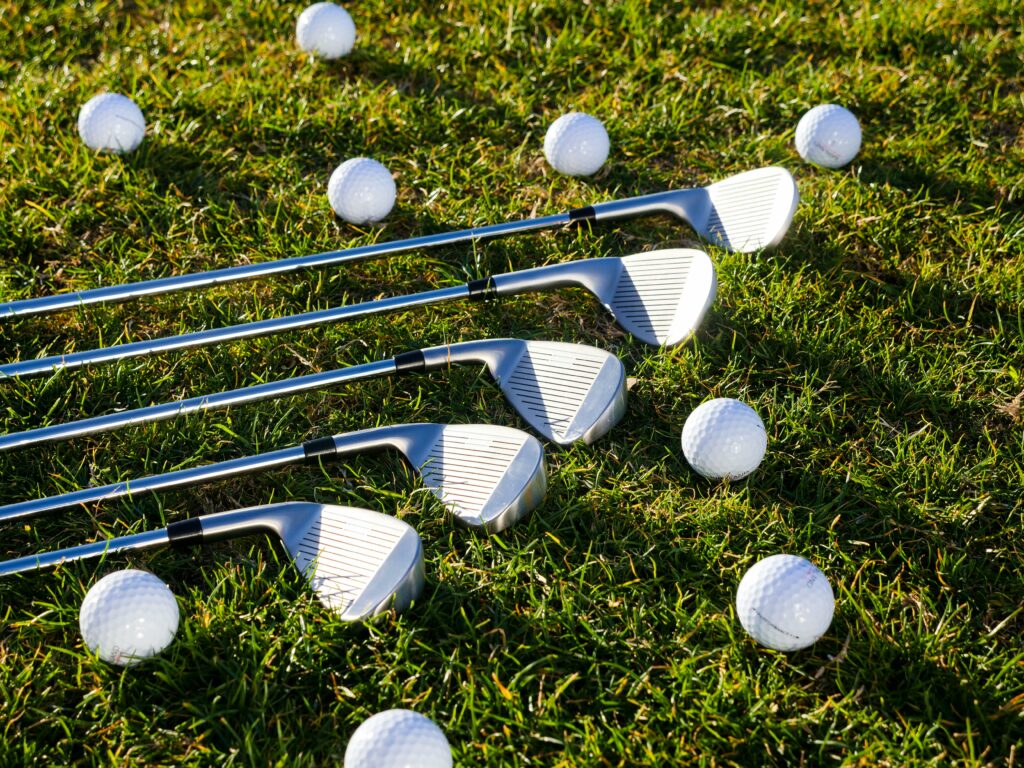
x=168 y=480
x=129 y=291
x=201 y=403
x=138 y=541
x=230 y=333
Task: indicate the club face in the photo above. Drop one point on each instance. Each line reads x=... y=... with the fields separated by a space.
x=488 y=476
x=359 y=563
x=661 y=296
x=751 y=210
x=566 y=392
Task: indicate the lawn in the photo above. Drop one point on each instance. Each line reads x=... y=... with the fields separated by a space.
x=881 y=342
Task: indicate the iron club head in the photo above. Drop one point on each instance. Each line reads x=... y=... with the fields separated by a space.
x=751 y=210
x=488 y=476
x=661 y=296
x=566 y=392
x=359 y=563
x=658 y=296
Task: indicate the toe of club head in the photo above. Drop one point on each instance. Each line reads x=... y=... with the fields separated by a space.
x=661 y=296
x=751 y=210
x=566 y=392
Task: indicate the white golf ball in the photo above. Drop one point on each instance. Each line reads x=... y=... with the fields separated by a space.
x=828 y=135
x=398 y=738
x=111 y=122
x=128 y=616
x=576 y=144
x=361 y=190
x=724 y=438
x=325 y=30
x=784 y=602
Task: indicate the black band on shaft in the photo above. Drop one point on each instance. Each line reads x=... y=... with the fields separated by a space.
x=410 y=362
x=481 y=290
x=185 y=533
x=322 y=446
x=582 y=214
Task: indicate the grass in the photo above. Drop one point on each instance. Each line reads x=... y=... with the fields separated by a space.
x=881 y=342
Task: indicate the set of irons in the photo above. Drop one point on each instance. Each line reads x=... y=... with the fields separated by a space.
x=361 y=563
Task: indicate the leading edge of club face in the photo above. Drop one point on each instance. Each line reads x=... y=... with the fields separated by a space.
x=488 y=476
x=661 y=296
x=359 y=563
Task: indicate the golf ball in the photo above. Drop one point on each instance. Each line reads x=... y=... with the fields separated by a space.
x=325 y=30
x=784 y=602
x=828 y=135
x=111 y=122
x=398 y=738
x=361 y=190
x=724 y=438
x=576 y=144
x=128 y=616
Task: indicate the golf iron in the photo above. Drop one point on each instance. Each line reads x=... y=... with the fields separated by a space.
x=745 y=212
x=566 y=392
x=488 y=476
x=359 y=563
x=658 y=296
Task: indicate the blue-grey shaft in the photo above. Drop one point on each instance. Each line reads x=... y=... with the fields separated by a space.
x=167 y=481
x=135 y=542
x=347 y=444
x=200 y=403
x=129 y=291
x=230 y=333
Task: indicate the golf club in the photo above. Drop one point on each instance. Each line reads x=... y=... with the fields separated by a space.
x=488 y=476
x=566 y=392
x=658 y=296
x=359 y=563
x=745 y=212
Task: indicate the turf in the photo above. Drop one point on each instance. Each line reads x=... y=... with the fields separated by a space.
x=881 y=342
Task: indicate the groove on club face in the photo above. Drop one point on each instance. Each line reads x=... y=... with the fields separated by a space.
x=661 y=296
x=751 y=210
x=359 y=563
x=567 y=392
x=489 y=476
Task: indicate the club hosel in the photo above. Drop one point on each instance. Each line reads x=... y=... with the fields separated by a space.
x=487 y=351
x=135 y=542
x=181 y=478
x=399 y=437
x=677 y=202
x=276 y=519
x=596 y=275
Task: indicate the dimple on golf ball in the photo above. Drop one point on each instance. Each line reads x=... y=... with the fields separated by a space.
x=325 y=30
x=398 y=738
x=111 y=122
x=784 y=602
x=128 y=616
x=724 y=438
x=576 y=144
x=361 y=191
x=828 y=135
